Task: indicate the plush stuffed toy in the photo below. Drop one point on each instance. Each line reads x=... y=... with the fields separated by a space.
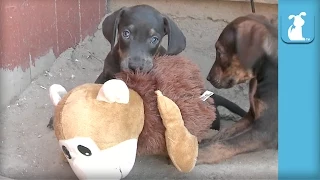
x=98 y=127
x=180 y=80
x=101 y=128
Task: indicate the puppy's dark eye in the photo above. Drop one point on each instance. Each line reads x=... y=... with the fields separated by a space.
x=84 y=150
x=154 y=40
x=66 y=152
x=126 y=34
x=220 y=55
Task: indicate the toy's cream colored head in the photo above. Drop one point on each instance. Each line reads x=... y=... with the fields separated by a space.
x=97 y=127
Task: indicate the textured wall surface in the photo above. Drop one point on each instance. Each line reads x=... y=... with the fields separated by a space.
x=258 y=1
x=29 y=28
x=34 y=32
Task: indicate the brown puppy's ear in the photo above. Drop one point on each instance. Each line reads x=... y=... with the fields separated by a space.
x=251 y=42
x=176 y=39
x=110 y=25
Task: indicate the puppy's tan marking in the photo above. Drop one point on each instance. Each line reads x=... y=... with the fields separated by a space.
x=257 y=107
x=152 y=32
x=122 y=54
x=237 y=71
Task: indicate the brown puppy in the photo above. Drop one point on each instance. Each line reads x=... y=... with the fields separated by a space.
x=247 y=49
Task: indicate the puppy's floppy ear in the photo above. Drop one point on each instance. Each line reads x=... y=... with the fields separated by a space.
x=253 y=40
x=110 y=25
x=176 y=39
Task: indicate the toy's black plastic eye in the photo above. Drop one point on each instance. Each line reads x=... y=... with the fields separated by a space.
x=66 y=152
x=84 y=150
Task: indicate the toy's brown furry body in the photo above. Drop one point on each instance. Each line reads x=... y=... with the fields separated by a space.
x=183 y=87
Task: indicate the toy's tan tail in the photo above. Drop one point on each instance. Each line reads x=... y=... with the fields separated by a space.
x=182 y=146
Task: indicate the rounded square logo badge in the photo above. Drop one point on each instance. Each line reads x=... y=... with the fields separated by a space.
x=297 y=27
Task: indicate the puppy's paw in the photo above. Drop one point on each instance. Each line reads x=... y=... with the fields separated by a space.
x=212 y=154
x=169 y=162
x=50 y=124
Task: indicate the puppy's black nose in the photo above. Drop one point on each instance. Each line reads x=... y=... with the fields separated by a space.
x=135 y=67
x=208 y=78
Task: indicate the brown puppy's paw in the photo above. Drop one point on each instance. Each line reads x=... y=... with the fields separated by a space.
x=214 y=153
x=209 y=138
x=214 y=137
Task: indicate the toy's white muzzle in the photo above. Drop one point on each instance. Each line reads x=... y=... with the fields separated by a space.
x=89 y=162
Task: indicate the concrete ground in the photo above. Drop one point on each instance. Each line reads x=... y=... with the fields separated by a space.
x=28 y=150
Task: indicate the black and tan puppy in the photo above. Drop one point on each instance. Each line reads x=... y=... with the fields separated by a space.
x=247 y=49
x=139 y=30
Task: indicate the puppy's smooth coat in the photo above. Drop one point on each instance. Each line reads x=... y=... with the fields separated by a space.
x=247 y=49
x=139 y=30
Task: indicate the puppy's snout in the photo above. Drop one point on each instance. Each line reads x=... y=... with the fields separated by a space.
x=141 y=64
x=135 y=66
x=135 y=63
x=209 y=78
x=213 y=74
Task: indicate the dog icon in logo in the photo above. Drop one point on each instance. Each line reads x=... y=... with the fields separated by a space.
x=295 y=30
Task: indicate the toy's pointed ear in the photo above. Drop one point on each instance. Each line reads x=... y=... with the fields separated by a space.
x=56 y=93
x=114 y=90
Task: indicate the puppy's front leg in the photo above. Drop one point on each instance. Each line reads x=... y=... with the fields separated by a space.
x=221 y=150
x=110 y=68
x=103 y=78
x=229 y=132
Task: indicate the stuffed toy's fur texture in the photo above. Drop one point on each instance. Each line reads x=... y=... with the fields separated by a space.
x=180 y=80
